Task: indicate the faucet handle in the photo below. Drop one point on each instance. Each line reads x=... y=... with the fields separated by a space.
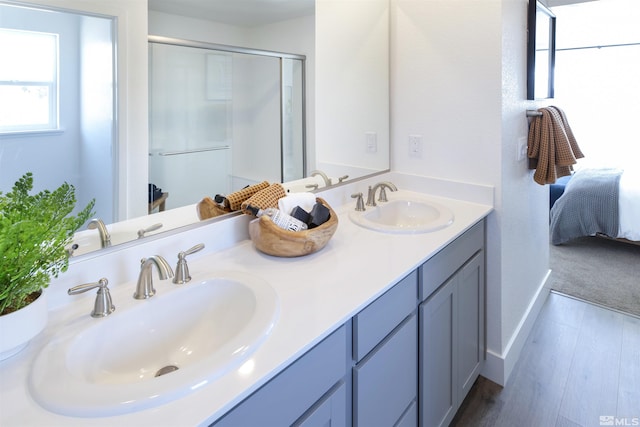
x=359 y=202
x=342 y=178
x=103 y=305
x=182 y=269
x=371 y=197
x=149 y=229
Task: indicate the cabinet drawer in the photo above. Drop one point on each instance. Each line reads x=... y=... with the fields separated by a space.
x=386 y=381
x=442 y=265
x=291 y=393
x=379 y=318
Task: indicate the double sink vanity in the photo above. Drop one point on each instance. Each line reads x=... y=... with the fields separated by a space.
x=383 y=326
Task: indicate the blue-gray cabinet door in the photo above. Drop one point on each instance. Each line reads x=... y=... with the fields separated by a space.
x=471 y=324
x=438 y=352
x=385 y=383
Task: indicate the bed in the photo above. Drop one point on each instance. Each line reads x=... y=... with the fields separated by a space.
x=598 y=202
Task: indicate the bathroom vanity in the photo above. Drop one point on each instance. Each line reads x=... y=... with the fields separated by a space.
x=409 y=358
x=377 y=328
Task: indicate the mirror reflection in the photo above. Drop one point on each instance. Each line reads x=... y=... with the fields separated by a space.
x=57 y=103
x=221 y=118
x=345 y=104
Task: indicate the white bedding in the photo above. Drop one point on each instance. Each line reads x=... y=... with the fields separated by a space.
x=629 y=205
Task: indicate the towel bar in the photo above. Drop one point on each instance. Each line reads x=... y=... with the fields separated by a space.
x=533 y=113
x=197 y=150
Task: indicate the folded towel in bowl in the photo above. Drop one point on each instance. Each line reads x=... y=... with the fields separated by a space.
x=305 y=200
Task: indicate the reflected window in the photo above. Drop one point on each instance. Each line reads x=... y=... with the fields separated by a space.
x=28 y=80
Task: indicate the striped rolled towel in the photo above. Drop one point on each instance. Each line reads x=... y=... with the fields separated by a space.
x=266 y=198
x=234 y=200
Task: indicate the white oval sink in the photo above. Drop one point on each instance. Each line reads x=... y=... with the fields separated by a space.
x=102 y=367
x=402 y=214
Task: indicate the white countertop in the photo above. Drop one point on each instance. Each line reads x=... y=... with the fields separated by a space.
x=317 y=294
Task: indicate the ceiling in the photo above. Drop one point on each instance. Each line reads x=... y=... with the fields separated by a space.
x=247 y=13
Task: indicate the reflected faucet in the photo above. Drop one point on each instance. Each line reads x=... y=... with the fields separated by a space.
x=327 y=180
x=105 y=237
x=144 y=231
x=145 y=289
x=371 y=197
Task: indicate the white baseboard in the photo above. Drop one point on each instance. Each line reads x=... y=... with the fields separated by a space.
x=498 y=367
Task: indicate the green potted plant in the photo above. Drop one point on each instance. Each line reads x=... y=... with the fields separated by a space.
x=34 y=232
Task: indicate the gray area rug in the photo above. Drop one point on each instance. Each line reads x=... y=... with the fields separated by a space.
x=598 y=270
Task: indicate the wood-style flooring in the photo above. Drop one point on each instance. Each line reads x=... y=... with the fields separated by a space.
x=580 y=367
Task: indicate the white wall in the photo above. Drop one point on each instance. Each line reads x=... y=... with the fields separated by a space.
x=458 y=79
x=525 y=204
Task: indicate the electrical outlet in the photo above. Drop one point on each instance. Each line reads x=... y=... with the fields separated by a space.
x=521 y=149
x=415 y=146
x=371 y=139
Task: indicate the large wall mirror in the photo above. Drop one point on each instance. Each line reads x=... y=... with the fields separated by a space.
x=346 y=102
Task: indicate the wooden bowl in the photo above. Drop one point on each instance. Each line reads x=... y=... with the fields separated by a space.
x=273 y=240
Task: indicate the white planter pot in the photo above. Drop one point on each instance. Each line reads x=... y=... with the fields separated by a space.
x=19 y=327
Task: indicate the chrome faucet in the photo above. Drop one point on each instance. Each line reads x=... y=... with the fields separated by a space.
x=145 y=289
x=359 y=203
x=371 y=196
x=327 y=180
x=182 y=269
x=105 y=237
x=103 y=305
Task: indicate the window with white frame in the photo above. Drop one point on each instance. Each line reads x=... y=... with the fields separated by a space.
x=28 y=81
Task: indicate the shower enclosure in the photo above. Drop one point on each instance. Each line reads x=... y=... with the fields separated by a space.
x=222 y=117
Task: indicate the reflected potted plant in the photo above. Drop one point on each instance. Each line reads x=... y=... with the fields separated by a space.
x=34 y=232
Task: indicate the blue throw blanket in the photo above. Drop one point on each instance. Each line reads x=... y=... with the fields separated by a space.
x=588 y=206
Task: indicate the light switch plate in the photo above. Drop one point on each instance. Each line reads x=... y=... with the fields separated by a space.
x=521 y=150
x=415 y=146
x=371 y=139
